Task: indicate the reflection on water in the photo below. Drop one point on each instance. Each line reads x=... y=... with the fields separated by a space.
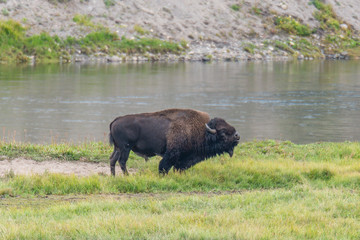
x=298 y=101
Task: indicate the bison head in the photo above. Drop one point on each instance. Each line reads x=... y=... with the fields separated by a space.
x=223 y=136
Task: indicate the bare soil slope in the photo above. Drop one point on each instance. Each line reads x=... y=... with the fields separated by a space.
x=189 y=20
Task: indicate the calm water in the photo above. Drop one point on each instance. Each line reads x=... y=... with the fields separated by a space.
x=298 y=101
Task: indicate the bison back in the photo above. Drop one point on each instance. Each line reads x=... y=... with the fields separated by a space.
x=142 y=134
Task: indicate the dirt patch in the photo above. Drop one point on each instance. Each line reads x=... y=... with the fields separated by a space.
x=20 y=166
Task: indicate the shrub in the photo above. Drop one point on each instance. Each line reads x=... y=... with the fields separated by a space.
x=235 y=7
x=292 y=26
x=326 y=16
x=140 y=30
x=11 y=32
x=250 y=48
x=109 y=3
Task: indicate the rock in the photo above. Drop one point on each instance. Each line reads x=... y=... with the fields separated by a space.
x=113 y=59
x=344 y=26
x=300 y=57
x=206 y=59
x=258 y=56
x=284 y=6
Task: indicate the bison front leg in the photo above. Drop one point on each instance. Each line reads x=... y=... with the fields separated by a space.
x=168 y=161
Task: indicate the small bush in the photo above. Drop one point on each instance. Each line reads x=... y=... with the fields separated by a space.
x=11 y=32
x=5 y=12
x=326 y=16
x=58 y=1
x=256 y=11
x=284 y=46
x=250 y=48
x=235 y=7
x=84 y=20
x=140 y=30
x=109 y=3
x=292 y=26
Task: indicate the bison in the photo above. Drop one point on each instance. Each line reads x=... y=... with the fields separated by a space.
x=182 y=137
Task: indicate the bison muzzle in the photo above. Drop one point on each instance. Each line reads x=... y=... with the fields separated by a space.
x=182 y=137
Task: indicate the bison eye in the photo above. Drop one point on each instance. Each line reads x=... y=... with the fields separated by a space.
x=223 y=134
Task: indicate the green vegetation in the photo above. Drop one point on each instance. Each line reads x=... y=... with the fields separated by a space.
x=306 y=48
x=88 y=151
x=5 y=12
x=85 y=20
x=59 y=1
x=268 y=190
x=256 y=165
x=326 y=16
x=338 y=39
x=250 y=48
x=235 y=7
x=140 y=30
x=284 y=46
x=109 y=3
x=256 y=10
x=292 y=26
x=15 y=46
x=299 y=213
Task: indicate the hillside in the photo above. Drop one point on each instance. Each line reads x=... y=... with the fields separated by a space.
x=224 y=29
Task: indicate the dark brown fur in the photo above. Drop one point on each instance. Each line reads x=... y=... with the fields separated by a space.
x=178 y=135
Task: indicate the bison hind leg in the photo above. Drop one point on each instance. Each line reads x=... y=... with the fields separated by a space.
x=122 y=161
x=122 y=156
x=113 y=159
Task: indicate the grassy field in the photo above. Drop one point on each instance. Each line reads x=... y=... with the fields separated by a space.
x=268 y=190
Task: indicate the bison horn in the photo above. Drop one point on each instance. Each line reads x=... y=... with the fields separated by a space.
x=210 y=130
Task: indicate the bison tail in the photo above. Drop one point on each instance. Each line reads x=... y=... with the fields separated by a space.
x=111 y=140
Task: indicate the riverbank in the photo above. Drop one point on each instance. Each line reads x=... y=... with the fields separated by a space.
x=137 y=31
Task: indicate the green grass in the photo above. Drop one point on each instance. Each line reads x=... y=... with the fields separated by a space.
x=284 y=46
x=249 y=47
x=337 y=40
x=85 y=20
x=15 y=46
x=307 y=49
x=326 y=16
x=140 y=30
x=299 y=213
x=235 y=7
x=268 y=190
x=255 y=165
x=292 y=26
x=109 y=3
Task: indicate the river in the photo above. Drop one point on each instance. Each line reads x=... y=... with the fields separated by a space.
x=300 y=101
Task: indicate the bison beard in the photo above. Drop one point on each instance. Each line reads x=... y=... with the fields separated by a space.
x=183 y=137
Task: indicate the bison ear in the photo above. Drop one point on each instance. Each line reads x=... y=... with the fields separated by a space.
x=210 y=130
